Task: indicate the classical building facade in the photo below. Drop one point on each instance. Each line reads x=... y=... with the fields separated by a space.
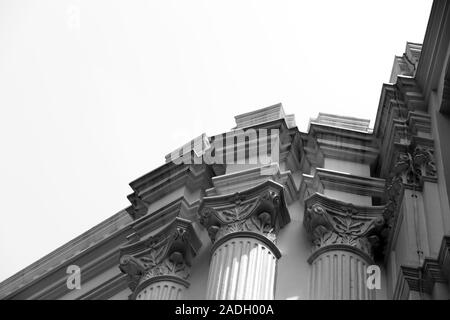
x=341 y=211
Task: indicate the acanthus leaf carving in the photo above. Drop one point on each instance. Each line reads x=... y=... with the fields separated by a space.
x=424 y=161
x=168 y=266
x=342 y=225
x=167 y=253
x=259 y=212
x=414 y=163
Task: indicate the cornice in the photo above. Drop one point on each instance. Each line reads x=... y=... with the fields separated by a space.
x=88 y=252
x=397 y=101
x=339 y=143
x=361 y=136
x=245 y=179
x=90 y=244
x=419 y=122
x=290 y=143
x=163 y=181
x=334 y=180
x=179 y=207
x=338 y=205
x=411 y=93
x=366 y=186
x=280 y=124
x=407 y=63
x=435 y=46
x=384 y=108
x=53 y=285
x=264 y=116
x=410 y=279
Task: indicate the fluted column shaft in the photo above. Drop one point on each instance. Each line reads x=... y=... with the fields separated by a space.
x=339 y=274
x=162 y=290
x=242 y=268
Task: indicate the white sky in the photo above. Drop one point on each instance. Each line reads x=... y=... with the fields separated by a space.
x=94 y=94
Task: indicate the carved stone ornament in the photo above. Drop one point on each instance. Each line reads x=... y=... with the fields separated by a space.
x=331 y=222
x=423 y=159
x=414 y=163
x=394 y=195
x=166 y=254
x=138 y=208
x=260 y=209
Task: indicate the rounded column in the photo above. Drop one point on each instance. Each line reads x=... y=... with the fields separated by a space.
x=166 y=288
x=157 y=267
x=243 y=228
x=343 y=238
x=339 y=273
x=243 y=267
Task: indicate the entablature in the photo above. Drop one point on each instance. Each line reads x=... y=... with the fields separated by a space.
x=324 y=141
x=164 y=180
x=334 y=180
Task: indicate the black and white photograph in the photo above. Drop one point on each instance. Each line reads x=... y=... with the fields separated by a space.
x=225 y=156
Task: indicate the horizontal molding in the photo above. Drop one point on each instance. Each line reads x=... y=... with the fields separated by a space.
x=338 y=205
x=168 y=178
x=366 y=186
x=422 y=278
x=73 y=250
x=245 y=179
x=410 y=279
x=106 y=289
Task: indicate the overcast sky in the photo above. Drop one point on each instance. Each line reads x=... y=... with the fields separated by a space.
x=94 y=94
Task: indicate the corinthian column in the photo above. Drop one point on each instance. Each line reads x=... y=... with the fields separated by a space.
x=158 y=266
x=243 y=228
x=343 y=238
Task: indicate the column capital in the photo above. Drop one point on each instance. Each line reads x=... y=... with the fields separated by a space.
x=335 y=224
x=414 y=164
x=166 y=255
x=260 y=209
